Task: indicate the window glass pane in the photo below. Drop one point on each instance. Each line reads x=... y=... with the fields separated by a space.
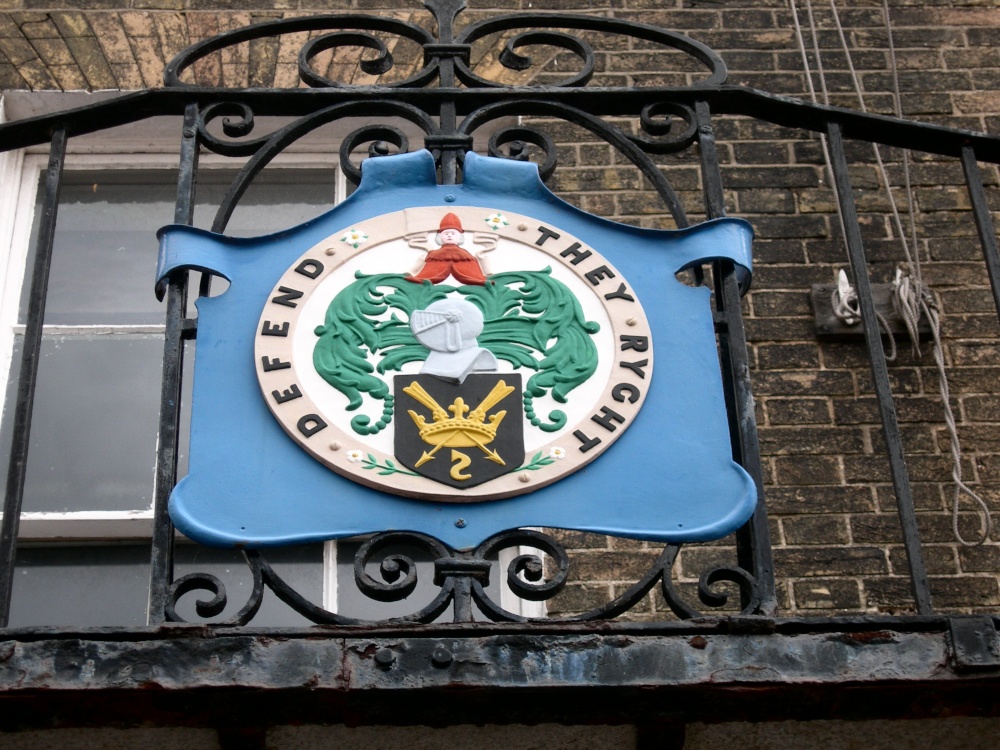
x=95 y=417
x=105 y=247
x=126 y=467
x=104 y=250
x=83 y=586
x=93 y=429
x=278 y=199
x=96 y=407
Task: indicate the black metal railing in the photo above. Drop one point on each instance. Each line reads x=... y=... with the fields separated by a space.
x=448 y=101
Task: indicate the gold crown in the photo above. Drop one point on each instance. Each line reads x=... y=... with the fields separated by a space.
x=458 y=431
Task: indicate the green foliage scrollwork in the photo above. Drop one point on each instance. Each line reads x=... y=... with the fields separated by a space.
x=532 y=321
x=554 y=326
x=353 y=325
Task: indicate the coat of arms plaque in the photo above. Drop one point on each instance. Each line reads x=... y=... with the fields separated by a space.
x=479 y=357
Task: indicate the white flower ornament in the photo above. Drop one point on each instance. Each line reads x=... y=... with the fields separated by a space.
x=496 y=221
x=556 y=452
x=355 y=456
x=355 y=238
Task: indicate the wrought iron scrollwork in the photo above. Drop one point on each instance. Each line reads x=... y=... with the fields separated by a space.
x=659 y=120
x=511 y=59
x=538 y=572
x=614 y=136
x=387 y=566
x=533 y=30
x=382 y=63
x=548 y=29
x=237 y=122
x=448 y=60
x=711 y=598
x=516 y=139
x=531 y=566
x=379 y=138
x=263 y=150
x=399 y=572
x=212 y=607
x=345 y=31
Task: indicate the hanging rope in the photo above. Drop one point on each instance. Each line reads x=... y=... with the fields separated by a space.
x=907 y=296
x=910 y=297
x=930 y=309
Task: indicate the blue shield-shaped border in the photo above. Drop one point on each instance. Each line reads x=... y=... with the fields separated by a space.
x=669 y=478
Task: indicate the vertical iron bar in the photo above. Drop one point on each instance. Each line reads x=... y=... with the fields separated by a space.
x=462 y=591
x=984 y=222
x=445 y=12
x=880 y=372
x=753 y=540
x=161 y=570
x=715 y=201
x=28 y=375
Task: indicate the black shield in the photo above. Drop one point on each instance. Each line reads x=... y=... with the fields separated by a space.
x=459 y=434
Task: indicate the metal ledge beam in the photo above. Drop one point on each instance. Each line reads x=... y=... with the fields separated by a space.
x=443 y=677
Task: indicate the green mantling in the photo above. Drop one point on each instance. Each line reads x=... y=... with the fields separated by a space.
x=532 y=321
x=529 y=312
x=353 y=329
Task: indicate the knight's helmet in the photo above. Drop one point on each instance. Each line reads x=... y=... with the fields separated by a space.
x=448 y=325
x=449 y=328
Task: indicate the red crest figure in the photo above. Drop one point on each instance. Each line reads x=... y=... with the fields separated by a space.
x=450 y=259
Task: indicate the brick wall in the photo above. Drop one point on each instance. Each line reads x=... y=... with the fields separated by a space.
x=837 y=542
x=836 y=537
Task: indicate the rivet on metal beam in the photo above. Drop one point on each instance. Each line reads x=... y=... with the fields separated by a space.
x=441 y=657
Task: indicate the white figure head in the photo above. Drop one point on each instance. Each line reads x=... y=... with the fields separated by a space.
x=450 y=231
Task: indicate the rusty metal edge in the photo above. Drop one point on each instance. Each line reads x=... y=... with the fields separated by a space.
x=517 y=677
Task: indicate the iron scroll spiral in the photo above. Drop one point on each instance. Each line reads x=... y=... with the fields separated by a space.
x=659 y=119
x=516 y=140
x=265 y=149
x=622 y=142
x=237 y=122
x=341 y=27
x=451 y=52
x=379 y=138
x=509 y=57
x=212 y=607
x=461 y=578
x=525 y=573
x=382 y=63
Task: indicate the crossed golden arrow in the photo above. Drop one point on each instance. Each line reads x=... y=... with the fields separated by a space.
x=458 y=431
